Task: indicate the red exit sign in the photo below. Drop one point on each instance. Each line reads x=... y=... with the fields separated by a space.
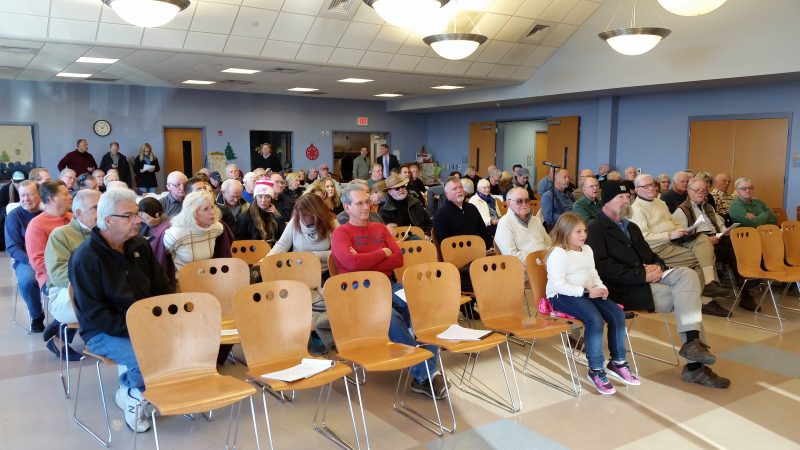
x=362 y=121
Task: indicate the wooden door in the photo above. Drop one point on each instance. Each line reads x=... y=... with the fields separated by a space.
x=183 y=150
x=482 y=145
x=540 y=169
x=711 y=146
x=562 y=142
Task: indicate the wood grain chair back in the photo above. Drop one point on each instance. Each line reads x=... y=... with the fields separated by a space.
x=791 y=241
x=359 y=308
x=462 y=250
x=536 y=266
x=415 y=252
x=300 y=266
x=772 y=247
x=781 y=215
x=274 y=320
x=502 y=208
x=250 y=251
x=498 y=282
x=175 y=336
x=401 y=233
x=433 y=293
x=747 y=248
x=332 y=270
x=220 y=277
x=534 y=205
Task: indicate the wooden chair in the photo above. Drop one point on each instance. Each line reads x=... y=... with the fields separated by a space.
x=176 y=338
x=274 y=320
x=499 y=289
x=774 y=257
x=415 y=252
x=791 y=241
x=402 y=233
x=250 y=251
x=781 y=215
x=332 y=270
x=433 y=314
x=360 y=308
x=299 y=266
x=460 y=251
x=502 y=208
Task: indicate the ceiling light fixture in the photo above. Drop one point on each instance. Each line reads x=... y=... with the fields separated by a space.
x=447 y=87
x=634 y=40
x=302 y=89
x=198 y=82
x=73 y=75
x=355 y=80
x=690 y=7
x=147 y=13
x=91 y=60
x=455 y=45
x=242 y=71
x=405 y=13
x=388 y=95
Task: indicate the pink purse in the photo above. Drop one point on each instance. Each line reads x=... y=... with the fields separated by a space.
x=547 y=309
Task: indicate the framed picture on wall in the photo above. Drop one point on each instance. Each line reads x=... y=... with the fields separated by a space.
x=16 y=150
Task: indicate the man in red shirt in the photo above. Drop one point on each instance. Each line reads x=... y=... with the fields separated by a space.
x=79 y=160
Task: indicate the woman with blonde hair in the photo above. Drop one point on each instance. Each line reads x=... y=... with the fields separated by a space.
x=194 y=230
x=330 y=186
x=146 y=176
x=294 y=183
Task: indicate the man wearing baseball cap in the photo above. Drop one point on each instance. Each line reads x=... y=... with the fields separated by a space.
x=520 y=179
x=640 y=280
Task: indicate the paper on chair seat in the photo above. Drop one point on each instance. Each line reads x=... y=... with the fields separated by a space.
x=307 y=368
x=727 y=231
x=459 y=333
x=230 y=332
x=401 y=294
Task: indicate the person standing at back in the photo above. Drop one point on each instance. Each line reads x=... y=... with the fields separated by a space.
x=361 y=165
x=113 y=159
x=79 y=160
x=387 y=161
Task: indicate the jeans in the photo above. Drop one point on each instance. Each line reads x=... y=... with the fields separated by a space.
x=119 y=350
x=593 y=312
x=143 y=190
x=29 y=289
x=399 y=333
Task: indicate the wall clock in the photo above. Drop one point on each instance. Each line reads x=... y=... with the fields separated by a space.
x=102 y=128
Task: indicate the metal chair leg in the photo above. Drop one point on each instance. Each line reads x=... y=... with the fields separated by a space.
x=322 y=427
x=14 y=314
x=674 y=362
x=401 y=407
x=107 y=442
x=486 y=393
x=775 y=304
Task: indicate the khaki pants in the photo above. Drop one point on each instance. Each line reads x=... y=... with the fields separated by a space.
x=697 y=254
x=679 y=292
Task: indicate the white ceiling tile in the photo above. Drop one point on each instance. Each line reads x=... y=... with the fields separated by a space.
x=141 y=59
x=367 y=14
x=267 y=4
x=581 y=12
x=280 y=49
x=254 y=22
x=229 y=2
x=502 y=71
x=15 y=25
x=183 y=19
x=414 y=46
x=389 y=39
x=34 y=7
x=455 y=67
x=518 y=54
x=559 y=34
x=515 y=29
x=533 y=8
x=376 y=59
x=291 y=27
x=116 y=70
x=346 y=56
x=214 y=18
x=314 y=53
x=505 y=6
x=539 y=56
x=479 y=69
x=36 y=74
x=430 y=65
x=10 y=59
x=523 y=73
x=55 y=57
x=359 y=35
x=326 y=31
x=119 y=34
x=164 y=38
x=239 y=45
x=75 y=9
x=72 y=30
x=490 y=24
x=558 y=10
x=21 y=43
x=404 y=62
x=108 y=15
x=303 y=6
x=205 y=42
x=494 y=51
x=109 y=52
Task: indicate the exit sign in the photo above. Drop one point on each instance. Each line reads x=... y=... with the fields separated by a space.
x=362 y=121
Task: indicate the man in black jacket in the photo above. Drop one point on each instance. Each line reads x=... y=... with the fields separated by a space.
x=402 y=209
x=640 y=280
x=266 y=159
x=113 y=159
x=110 y=271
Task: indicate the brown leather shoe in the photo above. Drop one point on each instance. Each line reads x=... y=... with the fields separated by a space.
x=714 y=289
x=705 y=376
x=696 y=351
x=713 y=308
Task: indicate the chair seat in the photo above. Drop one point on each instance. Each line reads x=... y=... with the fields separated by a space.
x=386 y=356
x=527 y=327
x=429 y=337
x=229 y=324
x=88 y=352
x=466 y=298
x=783 y=277
x=339 y=370
x=203 y=393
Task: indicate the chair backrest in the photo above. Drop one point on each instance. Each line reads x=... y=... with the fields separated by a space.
x=332 y=270
x=536 y=266
x=791 y=241
x=415 y=252
x=781 y=215
x=401 y=233
x=502 y=208
x=175 y=336
x=359 y=308
x=498 y=283
x=433 y=294
x=772 y=247
x=250 y=251
x=220 y=277
x=11 y=206
x=747 y=248
x=300 y=266
x=462 y=250
x=534 y=205
x=274 y=320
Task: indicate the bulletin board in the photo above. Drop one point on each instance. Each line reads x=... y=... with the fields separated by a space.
x=16 y=149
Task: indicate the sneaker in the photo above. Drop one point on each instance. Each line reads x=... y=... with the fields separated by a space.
x=37 y=324
x=622 y=373
x=600 y=382
x=125 y=401
x=424 y=388
x=70 y=354
x=705 y=376
x=714 y=289
x=712 y=308
x=51 y=330
x=696 y=351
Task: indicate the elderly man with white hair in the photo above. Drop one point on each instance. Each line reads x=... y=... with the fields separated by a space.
x=230 y=198
x=677 y=194
x=248 y=184
x=577 y=194
x=173 y=201
x=232 y=171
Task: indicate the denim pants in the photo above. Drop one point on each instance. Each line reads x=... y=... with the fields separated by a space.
x=398 y=333
x=29 y=289
x=144 y=190
x=120 y=350
x=593 y=312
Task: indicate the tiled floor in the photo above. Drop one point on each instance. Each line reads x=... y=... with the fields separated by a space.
x=760 y=410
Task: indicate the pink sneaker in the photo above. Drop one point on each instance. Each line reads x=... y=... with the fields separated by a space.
x=622 y=373
x=600 y=382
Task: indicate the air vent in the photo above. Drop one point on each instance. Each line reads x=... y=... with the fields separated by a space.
x=537 y=33
x=286 y=70
x=102 y=80
x=21 y=50
x=313 y=93
x=235 y=82
x=342 y=7
x=9 y=70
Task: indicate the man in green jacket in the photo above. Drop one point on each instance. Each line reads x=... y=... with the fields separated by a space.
x=748 y=211
x=588 y=206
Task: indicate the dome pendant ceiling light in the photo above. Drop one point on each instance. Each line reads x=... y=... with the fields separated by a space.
x=147 y=13
x=455 y=45
x=690 y=7
x=634 y=40
x=405 y=13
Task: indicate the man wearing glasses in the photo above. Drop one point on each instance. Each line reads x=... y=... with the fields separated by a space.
x=173 y=201
x=283 y=199
x=520 y=232
x=588 y=205
x=402 y=209
x=748 y=210
x=676 y=245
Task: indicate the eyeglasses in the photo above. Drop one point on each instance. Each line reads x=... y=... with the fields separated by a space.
x=699 y=191
x=745 y=188
x=518 y=201
x=281 y=183
x=647 y=186
x=126 y=217
x=175 y=185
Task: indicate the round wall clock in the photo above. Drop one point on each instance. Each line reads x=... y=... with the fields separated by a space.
x=102 y=128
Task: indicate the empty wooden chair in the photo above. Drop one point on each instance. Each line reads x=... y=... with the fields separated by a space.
x=781 y=215
x=415 y=252
x=250 y=251
x=460 y=251
x=791 y=241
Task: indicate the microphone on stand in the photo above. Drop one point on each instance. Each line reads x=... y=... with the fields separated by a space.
x=549 y=164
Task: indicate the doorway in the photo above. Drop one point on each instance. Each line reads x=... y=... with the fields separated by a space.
x=183 y=150
x=347 y=146
x=281 y=142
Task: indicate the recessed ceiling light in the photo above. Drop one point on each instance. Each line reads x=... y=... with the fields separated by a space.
x=388 y=95
x=446 y=87
x=243 y=71
x=302 y=89
x=73 y=75
x=198 y=82
x=355 y=80
x=91 y=60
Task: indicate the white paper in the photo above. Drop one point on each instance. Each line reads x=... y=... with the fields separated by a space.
x=666 y=272
x=401 y=294
x=307 y=368
x=727 y=231
x=700 y=220
x=230 y=332
x=148 y=166
x=458 y=333
x=499 y=198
